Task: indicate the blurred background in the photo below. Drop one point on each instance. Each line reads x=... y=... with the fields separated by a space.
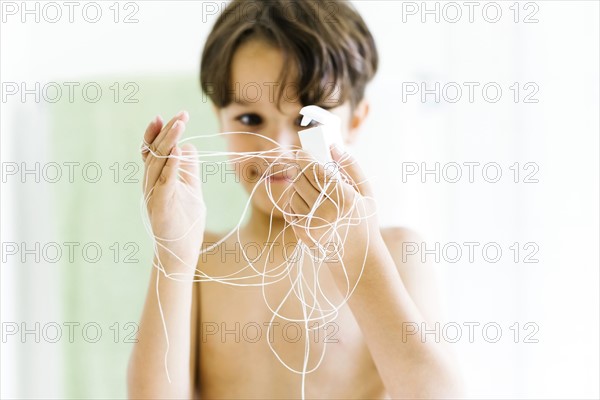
x=483 y=132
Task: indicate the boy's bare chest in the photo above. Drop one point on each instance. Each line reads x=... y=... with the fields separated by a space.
x=251 y=338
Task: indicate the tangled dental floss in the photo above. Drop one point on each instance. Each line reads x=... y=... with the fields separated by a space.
x=315 y=304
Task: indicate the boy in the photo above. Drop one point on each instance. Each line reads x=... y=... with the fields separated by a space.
x=313 y=52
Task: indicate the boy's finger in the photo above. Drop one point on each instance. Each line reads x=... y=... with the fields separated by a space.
x=305 y=189
x=190 y=168
x=155 y=164
x=304 y=160
x=349 y=166
x=182 y=115
x=152 y=131
x=288 y=213
x=323 y=178
x=168 y=176
x=298 y=204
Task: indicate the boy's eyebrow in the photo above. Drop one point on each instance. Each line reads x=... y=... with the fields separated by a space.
x=241 y=102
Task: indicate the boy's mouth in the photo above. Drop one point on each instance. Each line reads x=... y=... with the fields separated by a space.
x=280 y=174
x=279 y=177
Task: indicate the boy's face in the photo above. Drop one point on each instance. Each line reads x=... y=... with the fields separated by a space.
x=255 y=68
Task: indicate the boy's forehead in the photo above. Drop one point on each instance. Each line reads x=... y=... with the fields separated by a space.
x=255 y=73
x=256 y=70
x=256 y=59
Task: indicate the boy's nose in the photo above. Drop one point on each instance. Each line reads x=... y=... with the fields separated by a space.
x=287 y=138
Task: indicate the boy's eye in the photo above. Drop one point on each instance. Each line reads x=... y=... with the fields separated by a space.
x=250 y=119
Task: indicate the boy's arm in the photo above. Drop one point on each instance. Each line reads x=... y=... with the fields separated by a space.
x=419 y=278
x=194 y=341
x=391 y=299
x=146 y=377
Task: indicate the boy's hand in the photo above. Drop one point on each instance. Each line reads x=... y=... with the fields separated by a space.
x=173 y=195
x=343 y=211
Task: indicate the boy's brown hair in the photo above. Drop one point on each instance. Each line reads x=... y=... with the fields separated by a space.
x=327 y=41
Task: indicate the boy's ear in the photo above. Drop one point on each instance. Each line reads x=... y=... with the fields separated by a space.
x=358 y=117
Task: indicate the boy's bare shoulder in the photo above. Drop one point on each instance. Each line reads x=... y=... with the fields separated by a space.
x=394 y=236
x=212 y=237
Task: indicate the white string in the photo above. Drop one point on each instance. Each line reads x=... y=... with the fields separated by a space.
x=293 y=268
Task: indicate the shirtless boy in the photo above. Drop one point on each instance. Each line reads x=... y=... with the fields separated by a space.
x=309 y=43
